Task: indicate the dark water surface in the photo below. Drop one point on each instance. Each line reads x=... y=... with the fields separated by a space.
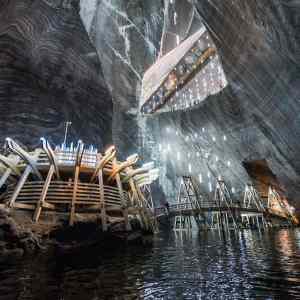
x=247 y=265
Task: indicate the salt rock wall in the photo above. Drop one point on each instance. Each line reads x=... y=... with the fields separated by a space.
x=255 y=118
x=258 y=115
x=49 y=74
x=126 y=35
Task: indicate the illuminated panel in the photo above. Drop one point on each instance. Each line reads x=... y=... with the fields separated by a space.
x=183 y=77
x=171 y=73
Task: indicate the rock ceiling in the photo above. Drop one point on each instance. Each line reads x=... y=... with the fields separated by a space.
x=54 y=69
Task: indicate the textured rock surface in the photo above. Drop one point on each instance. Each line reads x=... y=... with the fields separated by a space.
x=15 y=240
x=49 y=74
x=257 y=116
x=126 y=35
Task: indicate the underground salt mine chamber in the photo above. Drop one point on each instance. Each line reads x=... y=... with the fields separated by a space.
x=148 y=149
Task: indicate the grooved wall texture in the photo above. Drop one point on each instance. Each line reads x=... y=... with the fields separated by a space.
x=50 y=73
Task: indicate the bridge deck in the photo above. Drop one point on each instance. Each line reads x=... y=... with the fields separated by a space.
x=187 y=210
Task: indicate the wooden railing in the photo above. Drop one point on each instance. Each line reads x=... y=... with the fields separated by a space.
x=60 y=192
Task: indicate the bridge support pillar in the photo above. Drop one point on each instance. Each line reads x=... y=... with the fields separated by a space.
x=182 y=223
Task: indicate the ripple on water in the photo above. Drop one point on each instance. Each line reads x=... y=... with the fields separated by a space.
x=244 y=265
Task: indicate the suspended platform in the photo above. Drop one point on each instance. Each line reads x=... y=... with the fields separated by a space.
x=174 y=70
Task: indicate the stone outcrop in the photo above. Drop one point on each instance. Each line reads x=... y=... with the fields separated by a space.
x=15 y=240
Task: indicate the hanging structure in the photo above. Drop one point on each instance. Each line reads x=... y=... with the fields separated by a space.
x=187 y=54
x=76 y=184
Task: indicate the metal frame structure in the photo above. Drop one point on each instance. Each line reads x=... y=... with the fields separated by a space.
x=225 y=215
x=252 y=200
x=188 y=197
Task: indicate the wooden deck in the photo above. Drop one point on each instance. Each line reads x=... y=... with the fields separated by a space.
x=74 y=180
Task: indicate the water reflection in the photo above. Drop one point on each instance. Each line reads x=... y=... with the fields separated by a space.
x=240 y=265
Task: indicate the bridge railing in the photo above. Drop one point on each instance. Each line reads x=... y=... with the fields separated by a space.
x=207 y=205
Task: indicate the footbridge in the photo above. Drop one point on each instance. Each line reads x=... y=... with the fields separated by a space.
x=222 y=210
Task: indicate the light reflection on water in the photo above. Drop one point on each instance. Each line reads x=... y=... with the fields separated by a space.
x=244 y=265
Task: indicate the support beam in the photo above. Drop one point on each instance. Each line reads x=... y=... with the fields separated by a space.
x=109 y=154
x=123 y=200
x=19 y=186
x=73 y=204
x=11 y=162
x=102 y=201
x=29 y=159
x=41 y=201
x=51 y=156
x=5 y=176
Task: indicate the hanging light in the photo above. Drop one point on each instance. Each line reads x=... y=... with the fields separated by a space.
x=200 y=178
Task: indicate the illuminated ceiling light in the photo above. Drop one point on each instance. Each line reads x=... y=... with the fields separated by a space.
x=190 y=168
x=177 y=39
x=200 y=178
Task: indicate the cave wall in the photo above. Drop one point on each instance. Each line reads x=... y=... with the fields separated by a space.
x=258 y=115
x=126 y=35
x=54 y=69
x=50 y=73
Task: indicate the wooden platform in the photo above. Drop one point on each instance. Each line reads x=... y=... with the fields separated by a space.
x=75 y=181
